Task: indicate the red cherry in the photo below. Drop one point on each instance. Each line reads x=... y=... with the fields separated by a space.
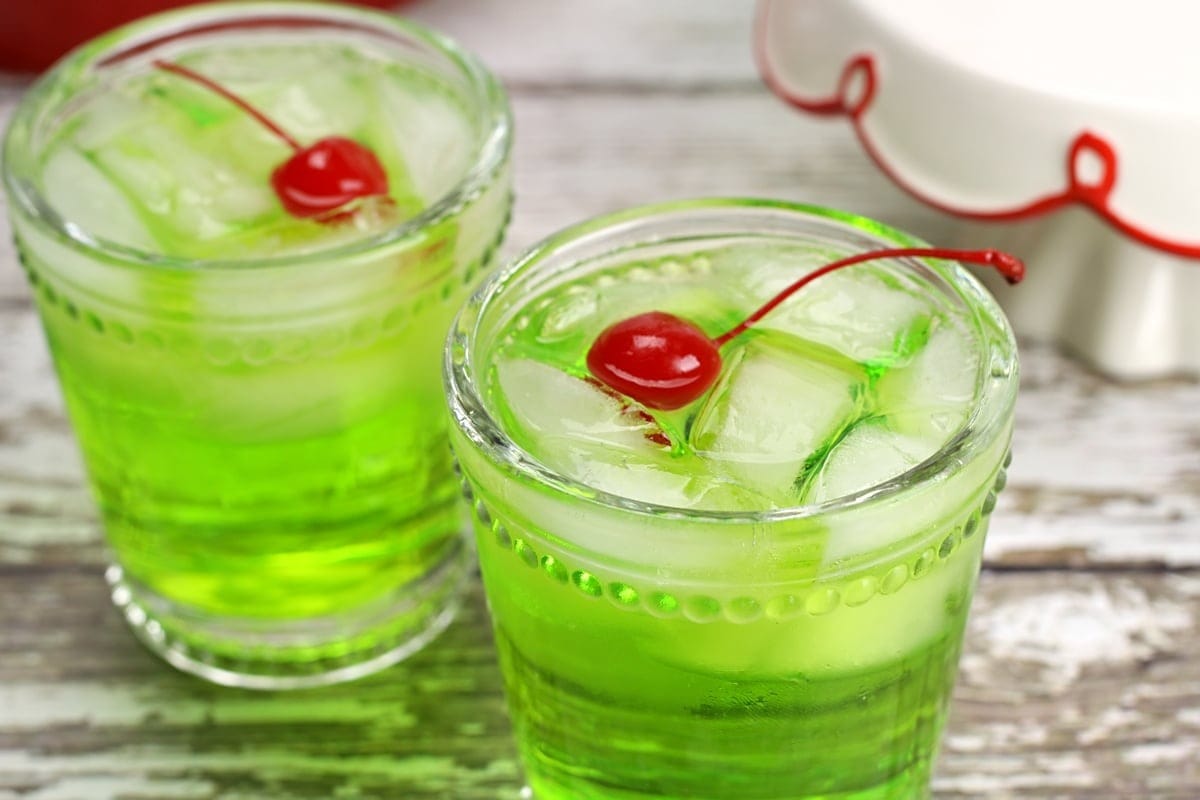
x=656 y=358
x=327 y=175
x=318 y=179
x=665 y=362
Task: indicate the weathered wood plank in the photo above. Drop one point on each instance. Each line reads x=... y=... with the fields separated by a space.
x=627 y=43
x=1072 y=686
x=1104 y=473
x=1078 y=685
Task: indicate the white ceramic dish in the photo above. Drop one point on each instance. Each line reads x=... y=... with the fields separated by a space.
x=1072 y=128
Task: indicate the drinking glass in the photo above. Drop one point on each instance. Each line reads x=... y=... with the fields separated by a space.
x=258 y=398
x=654 y=650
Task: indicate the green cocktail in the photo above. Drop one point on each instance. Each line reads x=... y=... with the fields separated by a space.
x=761 y=593
x=251 y=367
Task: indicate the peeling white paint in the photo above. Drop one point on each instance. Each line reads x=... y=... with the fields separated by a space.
x=1189 y=716
x=106 y=787
x=1107 y=723
x=34 y=706
x=1173 y=692
x=991 y=737
x=1187 y=585
x=1064 y=631
x=997 y=777
x=267 y=764
x=1160 y=753
x=965 y=743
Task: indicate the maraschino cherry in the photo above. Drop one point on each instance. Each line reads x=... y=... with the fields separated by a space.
x=665 y=362
x=316 y=180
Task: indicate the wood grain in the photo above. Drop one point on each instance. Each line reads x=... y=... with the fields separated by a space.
x=1073 y=685
x=680 y=44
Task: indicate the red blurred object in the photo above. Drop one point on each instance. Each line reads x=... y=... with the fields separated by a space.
x=34 y=33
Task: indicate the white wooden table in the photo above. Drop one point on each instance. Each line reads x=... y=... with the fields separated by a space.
x=1081 y=677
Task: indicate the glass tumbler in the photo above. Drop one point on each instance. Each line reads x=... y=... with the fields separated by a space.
x=257 y=395
x=726 y=650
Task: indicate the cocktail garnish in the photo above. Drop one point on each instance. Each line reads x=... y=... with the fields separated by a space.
x=316 y=180
x=663 y=361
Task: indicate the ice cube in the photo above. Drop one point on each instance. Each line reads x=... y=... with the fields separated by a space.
x=310 y=92
x=592 y=435
x=82 y=194
x=569 y=319
x=107 y=119
x=866 y=312
x=870 y=454
x=867 y=455
x=763 y=267
x=198 y=168
x=568 y=313
x=933 y=394
x=779 y=400
x=547 y=402
x=316 y=104
x=647 y=480
x=193 y=195
x=431 y=132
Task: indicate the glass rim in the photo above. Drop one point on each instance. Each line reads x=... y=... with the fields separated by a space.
x=473 y=418
x=493 y=148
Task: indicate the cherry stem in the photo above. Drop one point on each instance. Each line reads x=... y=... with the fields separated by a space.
x=241 y=103
x=1009 y=266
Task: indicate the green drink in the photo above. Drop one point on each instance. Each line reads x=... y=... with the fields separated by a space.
x=761 y=593
x=253 y=376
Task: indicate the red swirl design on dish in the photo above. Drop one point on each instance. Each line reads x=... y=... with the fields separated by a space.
x=856 y=89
